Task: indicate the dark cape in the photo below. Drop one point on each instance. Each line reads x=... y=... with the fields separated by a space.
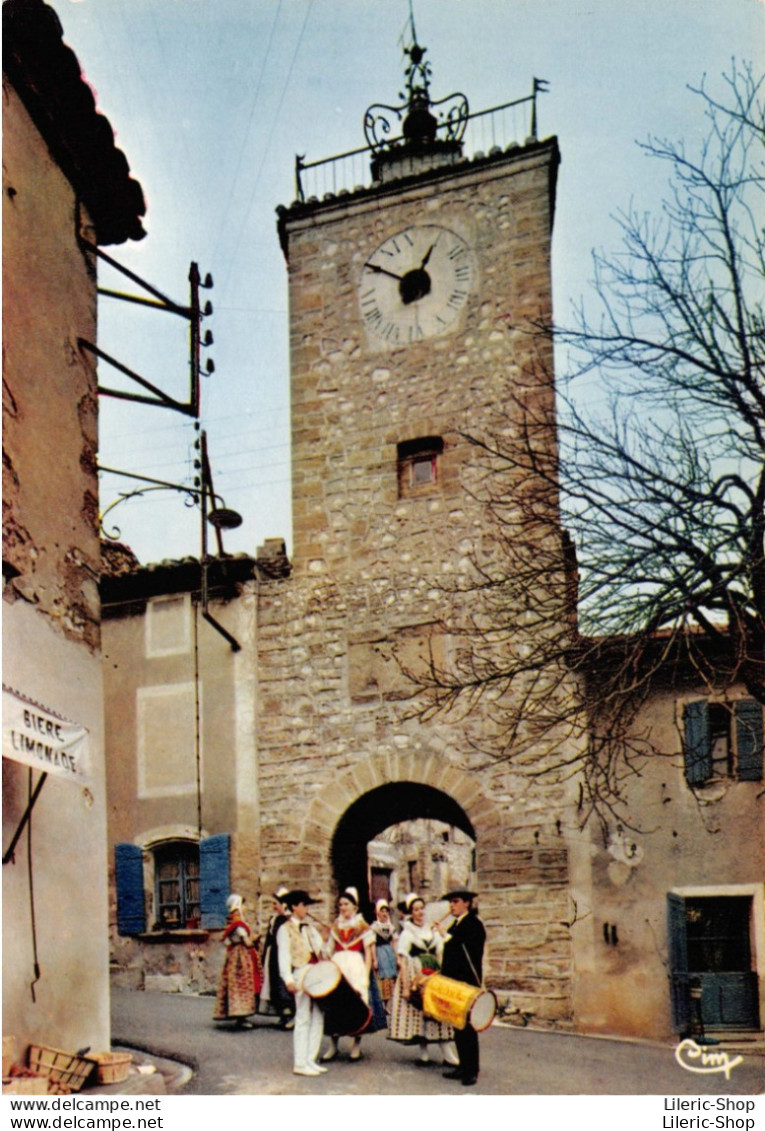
x=463 y=951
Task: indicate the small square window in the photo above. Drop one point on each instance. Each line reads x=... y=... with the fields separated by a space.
x=418 y=464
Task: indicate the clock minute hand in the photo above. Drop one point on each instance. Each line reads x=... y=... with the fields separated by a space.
x=382 y=271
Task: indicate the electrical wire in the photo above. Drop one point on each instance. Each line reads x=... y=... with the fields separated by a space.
x=274 y=123
x=245 y=139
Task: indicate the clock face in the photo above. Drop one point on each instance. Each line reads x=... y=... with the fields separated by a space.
x=416 y=284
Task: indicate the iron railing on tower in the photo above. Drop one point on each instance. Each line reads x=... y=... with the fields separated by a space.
x=484 y=132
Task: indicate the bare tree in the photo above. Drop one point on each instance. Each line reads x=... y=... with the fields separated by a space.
x=661 y=481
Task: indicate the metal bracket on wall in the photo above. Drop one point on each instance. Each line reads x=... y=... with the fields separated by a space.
x=194 y=313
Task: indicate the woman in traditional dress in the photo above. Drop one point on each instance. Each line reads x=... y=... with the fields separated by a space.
x=275 y=997
x=242 y=976
x=350 y=945
x=418 y=950
x=384 y=961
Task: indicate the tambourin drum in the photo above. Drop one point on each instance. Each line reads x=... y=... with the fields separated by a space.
x=457 y=1003
x=345 y=1012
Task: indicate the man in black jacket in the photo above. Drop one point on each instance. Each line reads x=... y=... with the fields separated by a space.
x=463 y=961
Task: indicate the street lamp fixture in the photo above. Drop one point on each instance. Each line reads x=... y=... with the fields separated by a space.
x=223 y=518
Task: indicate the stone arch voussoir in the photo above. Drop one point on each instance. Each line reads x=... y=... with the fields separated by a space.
x=329 y=805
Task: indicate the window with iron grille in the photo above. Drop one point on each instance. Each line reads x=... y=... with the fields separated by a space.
x=176 y=880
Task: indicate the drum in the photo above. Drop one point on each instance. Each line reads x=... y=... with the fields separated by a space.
x=456 y=1003
x=345 y=1013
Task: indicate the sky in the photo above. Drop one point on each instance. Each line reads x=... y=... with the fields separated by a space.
x=211 y=100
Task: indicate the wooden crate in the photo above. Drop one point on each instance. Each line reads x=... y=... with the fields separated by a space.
x=66 y=1071
x=113 y=1067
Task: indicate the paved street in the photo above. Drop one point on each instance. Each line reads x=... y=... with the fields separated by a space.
x=513 y=1061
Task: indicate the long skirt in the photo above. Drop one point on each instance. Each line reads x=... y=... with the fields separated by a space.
x=238 y=985
x=407 y=1023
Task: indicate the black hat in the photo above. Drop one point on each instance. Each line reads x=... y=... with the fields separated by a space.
x=460 y=893
x=298 y=896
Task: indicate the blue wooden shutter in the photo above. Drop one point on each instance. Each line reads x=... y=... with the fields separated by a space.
x=697 y=747
x=214 y=879
x=131 y=909
x=678 y=962
x=748 y=714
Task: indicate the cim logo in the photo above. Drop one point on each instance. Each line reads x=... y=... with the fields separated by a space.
x=693 y=1058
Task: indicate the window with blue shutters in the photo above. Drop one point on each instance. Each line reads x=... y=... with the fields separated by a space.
x=190 y=883
x=722 y=740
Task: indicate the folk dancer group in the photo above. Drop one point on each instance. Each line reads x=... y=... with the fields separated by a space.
x=385 y=971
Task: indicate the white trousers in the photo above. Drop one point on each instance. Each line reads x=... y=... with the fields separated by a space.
x=308 y=1031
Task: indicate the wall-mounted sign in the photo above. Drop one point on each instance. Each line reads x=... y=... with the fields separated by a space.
x=39 y=737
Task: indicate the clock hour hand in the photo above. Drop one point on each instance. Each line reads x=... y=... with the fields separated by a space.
x=382 y=271
x=427 y=254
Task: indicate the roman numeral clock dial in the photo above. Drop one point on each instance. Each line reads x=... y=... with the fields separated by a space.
x=415 y=285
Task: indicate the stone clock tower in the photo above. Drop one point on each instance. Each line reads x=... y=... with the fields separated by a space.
x=408 y=302
x=404 y=298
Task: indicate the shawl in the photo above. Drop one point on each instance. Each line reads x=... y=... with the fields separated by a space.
x=234 y=925
x=423 y=937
